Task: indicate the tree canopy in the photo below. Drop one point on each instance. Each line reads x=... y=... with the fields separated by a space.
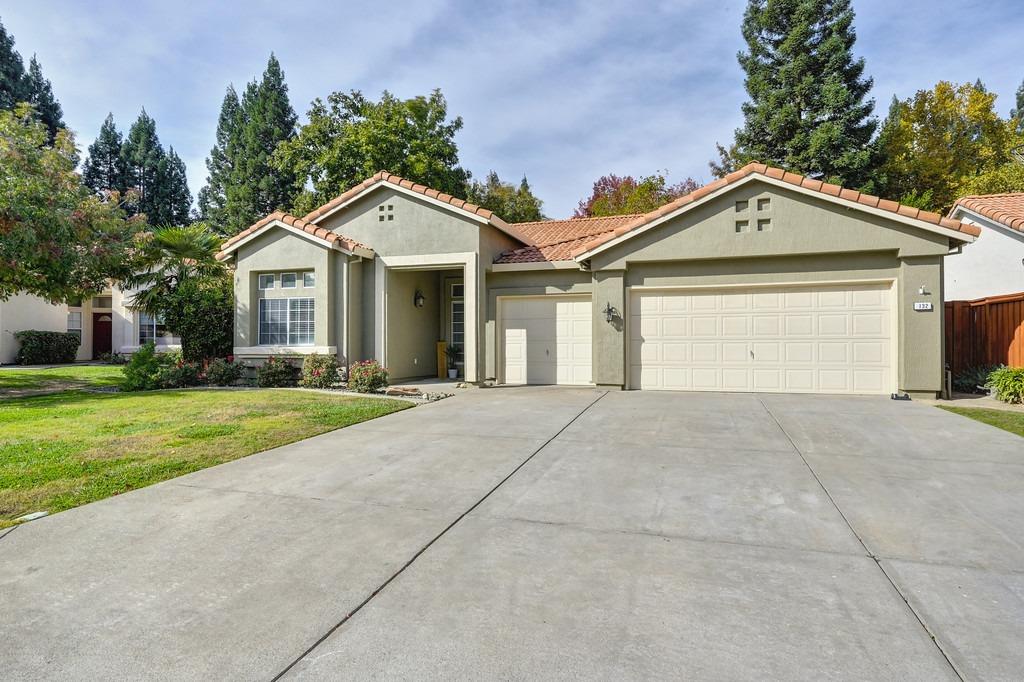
x=349 y=138
x=808 y=110
x=941 y=143
x=158 y=177
x=18 y=85
x=57 y=239
x=105 y=169
x=615 y=195
x=511 y=203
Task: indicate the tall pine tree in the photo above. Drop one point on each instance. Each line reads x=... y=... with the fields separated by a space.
x=12 y=72
x=213 y=197
x=40 y=95
x=158 y=176
x=243 y=185
x=176 y=197
x=808 y=109
x=1017 y=113
x=104 y=169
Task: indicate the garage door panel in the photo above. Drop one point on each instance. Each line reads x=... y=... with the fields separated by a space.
x=833 y=339
x=546 y=340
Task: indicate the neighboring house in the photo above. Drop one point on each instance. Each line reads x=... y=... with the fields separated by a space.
x=994 y=266
x=760 y=281
x=105 y=323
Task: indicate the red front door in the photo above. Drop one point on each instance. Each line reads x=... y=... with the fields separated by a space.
x=100 y=334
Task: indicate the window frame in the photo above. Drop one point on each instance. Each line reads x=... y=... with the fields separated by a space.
x=154 y=322
x=454 y=300
x=292 y=309
x=295 y=280
x=273 y=281
x=312 y=279
x=75 y=330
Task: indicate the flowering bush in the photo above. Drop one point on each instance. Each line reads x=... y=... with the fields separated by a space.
x=367 y=377
x=319 y=371
x=276 y=373
x=221 y=372
x=148 y=370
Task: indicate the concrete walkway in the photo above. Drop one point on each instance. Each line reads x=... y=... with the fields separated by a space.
x=540 y=533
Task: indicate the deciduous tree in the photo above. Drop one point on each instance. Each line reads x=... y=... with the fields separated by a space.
x=615 y=195
x=349 y=138
x=808 y=110
x=57 y=239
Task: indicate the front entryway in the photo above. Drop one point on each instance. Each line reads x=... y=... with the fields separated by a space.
x=546 y=339
x=101 y=334
x=806 y=339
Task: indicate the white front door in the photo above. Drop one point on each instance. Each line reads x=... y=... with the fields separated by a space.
x=546 y=339
x=821 y=339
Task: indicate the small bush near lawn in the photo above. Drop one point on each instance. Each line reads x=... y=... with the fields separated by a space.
x=973 y=379
x=1007 y=384
x=367 y=377
x=276 y=373
x=148 y=370
x=319 y=371
x=46 y=348
x=221 y=372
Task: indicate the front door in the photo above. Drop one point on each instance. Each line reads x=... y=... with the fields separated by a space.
x=100 y=334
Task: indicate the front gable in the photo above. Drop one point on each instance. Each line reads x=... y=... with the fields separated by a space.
x=761 y=219
x=396 y=223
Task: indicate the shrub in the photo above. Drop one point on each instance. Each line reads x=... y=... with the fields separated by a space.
x=367 y=377
x=113 y=358
x=276 y=373
x=46 y=348
x=140 y=373
x=1007 y=384
x=148 y=370
x=970 y=379
x=221 y=372
x=202 y=313
x=319 y=371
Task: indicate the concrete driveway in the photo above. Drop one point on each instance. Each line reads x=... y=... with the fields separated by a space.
x=550 y=533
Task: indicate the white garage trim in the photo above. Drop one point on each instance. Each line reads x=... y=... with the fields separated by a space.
x=501 y=335
x=886 y=284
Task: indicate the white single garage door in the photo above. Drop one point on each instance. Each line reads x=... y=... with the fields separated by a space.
x=822 y=339
x=546 y=339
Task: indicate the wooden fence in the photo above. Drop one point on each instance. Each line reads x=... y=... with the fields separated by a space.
x=987 y=331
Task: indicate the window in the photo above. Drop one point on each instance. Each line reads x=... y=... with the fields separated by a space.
x=457 y=332
x=153 y=329
x=75 y=323
x=288 y=280
x=308 y=279
x=266 y=281
x=286 y=321
x=101 y=301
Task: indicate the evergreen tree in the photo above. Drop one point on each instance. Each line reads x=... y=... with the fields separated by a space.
x=213 y=197
x=104 y=169
x=1017 y=113
x=808 y=110
x=176 y=199
x=12 y=72
x=511 y=204
x=39 y=94
x=142 y=154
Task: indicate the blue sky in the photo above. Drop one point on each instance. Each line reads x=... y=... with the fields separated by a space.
x=561 y=91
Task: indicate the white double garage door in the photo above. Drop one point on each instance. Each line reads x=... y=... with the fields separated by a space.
x=793 y=339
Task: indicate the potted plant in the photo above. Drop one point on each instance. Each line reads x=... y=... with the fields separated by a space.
x=452 y=353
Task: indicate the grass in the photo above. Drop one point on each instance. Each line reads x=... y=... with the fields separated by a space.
x=1003 y=419
x=63 y=450
x=18 y=382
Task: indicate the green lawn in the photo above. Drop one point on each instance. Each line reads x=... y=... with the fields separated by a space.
x=1004 y=419
x=18 y=382
x=62 y=450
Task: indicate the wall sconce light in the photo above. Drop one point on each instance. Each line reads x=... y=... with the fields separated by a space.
x=418 y=299
x=609 y=312
x=923 y=291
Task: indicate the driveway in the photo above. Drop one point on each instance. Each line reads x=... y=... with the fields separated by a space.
x=550 y=533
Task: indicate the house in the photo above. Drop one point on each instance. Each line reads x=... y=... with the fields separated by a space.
x=995 y=266
x=760 y=281
x=106 y=324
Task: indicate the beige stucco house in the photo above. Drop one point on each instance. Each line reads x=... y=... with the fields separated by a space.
x=760 y=281
x=106 y=323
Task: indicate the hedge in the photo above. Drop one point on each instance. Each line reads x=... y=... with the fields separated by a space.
x=46 y=348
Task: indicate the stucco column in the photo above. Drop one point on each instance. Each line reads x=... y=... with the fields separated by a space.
x=921 y=332
x=609 y=344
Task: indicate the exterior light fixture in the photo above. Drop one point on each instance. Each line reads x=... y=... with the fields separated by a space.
x=609 y=312
x=418 y=299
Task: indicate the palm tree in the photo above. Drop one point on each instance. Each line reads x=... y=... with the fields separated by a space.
x=170 y=258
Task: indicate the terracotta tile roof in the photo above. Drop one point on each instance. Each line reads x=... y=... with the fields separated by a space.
x=555 y=240
x=790 y=178
x=1005 y=209
x=332 y=238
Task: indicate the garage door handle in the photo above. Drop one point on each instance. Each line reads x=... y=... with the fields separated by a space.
x=751 y=355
